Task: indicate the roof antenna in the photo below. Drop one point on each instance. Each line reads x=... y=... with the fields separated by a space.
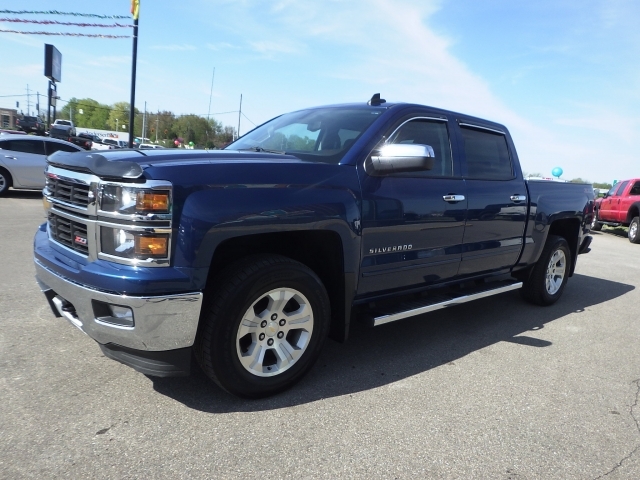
x=376 y=100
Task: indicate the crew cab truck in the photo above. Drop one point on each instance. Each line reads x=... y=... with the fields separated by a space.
x=248 y=258
x=62 y=129
x=620 y=207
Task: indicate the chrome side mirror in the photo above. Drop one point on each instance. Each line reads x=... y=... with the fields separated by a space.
x=400 y=158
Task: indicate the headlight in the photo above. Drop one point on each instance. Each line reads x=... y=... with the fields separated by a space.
x=133 y=245
x=131 y=200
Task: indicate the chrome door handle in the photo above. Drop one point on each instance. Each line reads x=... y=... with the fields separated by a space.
x=9 y=156
x=518 y=198
x=453 y=198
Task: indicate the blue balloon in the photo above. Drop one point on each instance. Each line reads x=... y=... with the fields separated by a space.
x=556 y=172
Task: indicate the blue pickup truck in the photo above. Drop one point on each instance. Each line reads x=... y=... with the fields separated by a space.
x=246 y=259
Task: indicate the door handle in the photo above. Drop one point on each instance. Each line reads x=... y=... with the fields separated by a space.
x=453 y=198
x=518 y=198
x=9 y=156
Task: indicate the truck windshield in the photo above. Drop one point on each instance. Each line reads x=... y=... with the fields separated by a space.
x=317 y=135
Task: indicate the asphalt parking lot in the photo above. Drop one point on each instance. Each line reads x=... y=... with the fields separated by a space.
x=495 y=389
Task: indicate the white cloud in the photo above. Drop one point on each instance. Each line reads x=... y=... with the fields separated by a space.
x=222 y=46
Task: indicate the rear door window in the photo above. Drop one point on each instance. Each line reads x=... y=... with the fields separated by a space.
x=24 y=146
x=621 y=188
x=487 y=154
x=635 y=190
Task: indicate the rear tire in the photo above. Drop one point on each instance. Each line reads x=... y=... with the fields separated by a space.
x=634 y=230
x=550 y=274
x=5 y=181
x=596 y=226
x=264 y=326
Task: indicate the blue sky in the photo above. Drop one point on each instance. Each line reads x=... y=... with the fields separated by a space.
x=563 y=76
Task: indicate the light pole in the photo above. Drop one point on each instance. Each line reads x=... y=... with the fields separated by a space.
x=116 y=124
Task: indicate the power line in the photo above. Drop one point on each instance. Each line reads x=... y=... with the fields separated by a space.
x=249 y=119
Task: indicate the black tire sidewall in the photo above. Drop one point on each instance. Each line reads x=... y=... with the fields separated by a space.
x=228 y=370
x=7 y=181
x=596 y=226
x=635 y=239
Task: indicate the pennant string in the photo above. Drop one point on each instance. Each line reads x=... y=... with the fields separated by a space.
x=54 y=22
x=66 y=34
x=56 y=12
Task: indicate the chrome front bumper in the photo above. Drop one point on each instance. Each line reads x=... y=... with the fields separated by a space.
x=165 y=322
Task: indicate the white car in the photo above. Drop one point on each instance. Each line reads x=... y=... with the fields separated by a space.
x=23 y=159
x=149 y=145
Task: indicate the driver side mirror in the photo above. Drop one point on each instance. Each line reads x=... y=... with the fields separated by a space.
x=400 y=158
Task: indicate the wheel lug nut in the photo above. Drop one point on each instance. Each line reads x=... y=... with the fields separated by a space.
x=261 y=337
x=282 y=322
x=270 y=342
x=280 y=334
x=274 y=317
x=263 y=323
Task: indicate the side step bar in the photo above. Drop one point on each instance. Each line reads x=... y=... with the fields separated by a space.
x=444 y=302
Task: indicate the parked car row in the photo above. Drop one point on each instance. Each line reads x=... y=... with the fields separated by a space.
x=23 y=160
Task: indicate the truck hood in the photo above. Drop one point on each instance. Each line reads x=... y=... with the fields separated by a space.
x=130 y=164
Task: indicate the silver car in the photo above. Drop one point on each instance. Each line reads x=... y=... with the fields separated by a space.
x=23 y=159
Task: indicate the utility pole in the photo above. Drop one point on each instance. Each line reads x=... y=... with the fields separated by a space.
x=211 y=91
x=239 y=113
x=38 y=104
x=157 y=124
x=28 y=102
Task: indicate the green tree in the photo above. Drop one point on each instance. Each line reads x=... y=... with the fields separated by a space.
x=119 y=116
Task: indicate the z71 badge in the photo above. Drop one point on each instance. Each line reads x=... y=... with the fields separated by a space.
x=395 y=248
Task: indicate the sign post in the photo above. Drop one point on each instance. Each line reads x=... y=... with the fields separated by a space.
x=53 y=71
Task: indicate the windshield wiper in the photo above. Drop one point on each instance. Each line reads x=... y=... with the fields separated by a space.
x=260 y=149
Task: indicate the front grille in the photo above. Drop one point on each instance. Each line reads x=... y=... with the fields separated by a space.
x=69 y=233
x=69 y=192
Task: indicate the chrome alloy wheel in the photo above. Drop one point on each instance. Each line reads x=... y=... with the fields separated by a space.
x=274 y=332
x=633 y=230
x=555 y=272
x=3 y=182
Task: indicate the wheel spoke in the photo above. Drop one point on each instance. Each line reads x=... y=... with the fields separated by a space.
x=278 y=299
x=254 y=358
x=249 y=324
x=300 y=316
x=286 y=354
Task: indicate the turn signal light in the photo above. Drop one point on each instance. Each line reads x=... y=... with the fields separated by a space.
x=152 y=202
x=152 y=246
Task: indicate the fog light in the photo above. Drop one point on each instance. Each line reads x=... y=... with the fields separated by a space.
x=112 y=314
x=121 y=315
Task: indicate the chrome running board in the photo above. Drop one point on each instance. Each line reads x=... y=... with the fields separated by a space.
x=450 y=300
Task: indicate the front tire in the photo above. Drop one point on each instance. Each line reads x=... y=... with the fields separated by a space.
x=634 y=233
x=5 y=181
x=265 y=326
x=596 y=226
x=550 y=274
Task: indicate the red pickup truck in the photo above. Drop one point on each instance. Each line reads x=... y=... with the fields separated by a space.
x=620 y=207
